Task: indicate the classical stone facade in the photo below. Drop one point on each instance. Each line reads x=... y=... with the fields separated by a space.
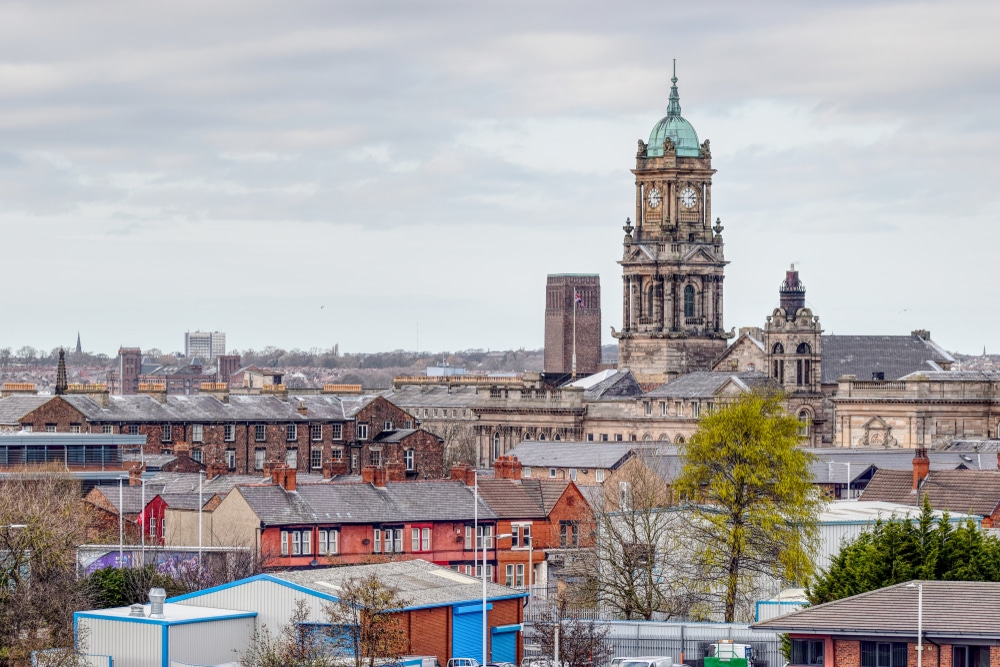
x=673 y=263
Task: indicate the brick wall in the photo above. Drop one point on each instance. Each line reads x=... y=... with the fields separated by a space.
x=846 y=653
x=559 y=304
x=56 y=412
x=429 y=632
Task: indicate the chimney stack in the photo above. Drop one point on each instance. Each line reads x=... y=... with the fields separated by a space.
x=464 y=473
x=921 y=466
x=395 y=472
x=135 y=473
x=507 y=467
x=213 y=470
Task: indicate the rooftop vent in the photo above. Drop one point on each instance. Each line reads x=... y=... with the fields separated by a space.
x=137 y=610
x=156 y=598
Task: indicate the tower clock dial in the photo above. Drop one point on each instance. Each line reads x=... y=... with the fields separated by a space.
x=654 y=198
x=688 y=197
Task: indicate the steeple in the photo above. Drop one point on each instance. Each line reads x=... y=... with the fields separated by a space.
x=61 y=384
x=674 y=106
x=79 y=348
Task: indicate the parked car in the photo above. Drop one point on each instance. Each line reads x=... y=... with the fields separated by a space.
x=463 y=662
x=648 y=661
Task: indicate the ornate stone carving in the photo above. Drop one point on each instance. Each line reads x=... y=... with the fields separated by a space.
x=642 y=149
x=668 y=146
x=705 y=150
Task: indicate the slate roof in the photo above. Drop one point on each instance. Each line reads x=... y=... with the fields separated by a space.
x=433 y=396
x=203 y=408
x=620 y=385
x=950 y=609
x=437 y=500
x=131 y=495
x=187 y=482
x=705 y=384
x=524 y=499
x=397 y=435
x=14 y=407
x=895 y=356
x=420 y=583
x=186 y=501
x=565 y=454
x=968 y=491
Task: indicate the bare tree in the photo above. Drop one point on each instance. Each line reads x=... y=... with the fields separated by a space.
x=40 y=527
x=640 y=567
x=371 y=630
x=297 y=644
x=459 y=441
x=581 y=642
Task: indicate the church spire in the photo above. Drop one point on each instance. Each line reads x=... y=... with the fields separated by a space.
x=674 y=107
x=79 y=347
x=61 y=384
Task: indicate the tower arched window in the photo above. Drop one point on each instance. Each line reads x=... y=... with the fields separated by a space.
x=689 y=301
x=778 y=365
x=803 y=367
x=649 y=301
x=496 y=446
x=803 y=348
x=778 y=349
x=804 y=422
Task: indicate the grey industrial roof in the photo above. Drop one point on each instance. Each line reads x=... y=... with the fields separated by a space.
x=950 y=609
x=705 y=384
x=419 y=583
x=895 y=356
x=24 y=438
x=423 y=500
x=564 y=454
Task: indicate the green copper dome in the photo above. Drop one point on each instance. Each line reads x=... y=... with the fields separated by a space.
x=674 y=125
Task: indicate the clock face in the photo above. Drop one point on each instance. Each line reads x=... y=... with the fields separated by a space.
x=654 y=198
x=688 y=198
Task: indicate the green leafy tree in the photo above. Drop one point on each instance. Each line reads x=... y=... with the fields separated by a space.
x=900 y=549
x=122 y=586
x=754 y=505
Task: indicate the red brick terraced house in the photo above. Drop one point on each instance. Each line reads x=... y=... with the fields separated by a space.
x=879 y=628
x=539 y=515
x=327 y=434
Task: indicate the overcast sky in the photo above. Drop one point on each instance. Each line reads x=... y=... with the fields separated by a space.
x=385 y=175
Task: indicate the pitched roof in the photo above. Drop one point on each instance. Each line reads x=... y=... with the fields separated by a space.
x=895 y=356
x=950 y=609
x=522 y=499
x=14 y=407
x=423 y=500
x=619 y=385
x=433 y=396
x=968 y=491
x=420 y=583
x=705 y=384
x=131 y=496
x=564 y=454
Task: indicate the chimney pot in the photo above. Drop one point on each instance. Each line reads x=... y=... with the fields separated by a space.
x=921 y=467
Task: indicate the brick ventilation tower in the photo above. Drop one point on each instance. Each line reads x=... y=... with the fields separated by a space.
x=560 y=299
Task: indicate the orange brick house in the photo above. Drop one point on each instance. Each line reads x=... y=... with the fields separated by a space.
x=879 y=628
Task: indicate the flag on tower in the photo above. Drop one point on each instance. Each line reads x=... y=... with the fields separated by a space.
x=578 y=299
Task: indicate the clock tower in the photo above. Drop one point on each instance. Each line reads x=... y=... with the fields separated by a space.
x=673 y=264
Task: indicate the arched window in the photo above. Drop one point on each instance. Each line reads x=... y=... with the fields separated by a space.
x=649 y=301
x=689 y=301
x=803 y=348
x=496 y=446
x=541 y=436
x=666 y=438
x=679 y=440
x=778 y=349
x=804 y=422
x=557 y=437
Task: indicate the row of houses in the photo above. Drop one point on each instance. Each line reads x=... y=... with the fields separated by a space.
x=379 y=515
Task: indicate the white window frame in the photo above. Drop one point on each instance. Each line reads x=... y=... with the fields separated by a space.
x=410 y=460
x=107 y=429
x=387 y=426
x=526 y=471
x=337 y=454
x=316 y=432
x=291 y=432
x=316 y=458
x=599 y=475
x=166 y=433
x=329 y=542
x=484 y=531
x=520 y=535
x=338 y=431
x=197 y=433
x=230 y=455
x=229 y=432
x=362 y=431
x=292 y=457
x=196 y=455
x=259 y=458
x=260 y=432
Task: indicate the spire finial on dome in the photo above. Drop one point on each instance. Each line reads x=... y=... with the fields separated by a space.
x=674 y=107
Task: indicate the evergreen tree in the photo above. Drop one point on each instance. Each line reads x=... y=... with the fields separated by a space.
x=898 y=550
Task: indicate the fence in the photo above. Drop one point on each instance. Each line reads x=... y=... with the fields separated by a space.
x=690 y=640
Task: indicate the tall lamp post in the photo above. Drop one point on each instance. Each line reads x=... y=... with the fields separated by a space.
x=485 y=622
x=920 y=621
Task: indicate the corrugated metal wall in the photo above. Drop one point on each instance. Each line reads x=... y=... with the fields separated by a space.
x=131 y=644
x=273 y=602
x=647 y=638
x=212 y=643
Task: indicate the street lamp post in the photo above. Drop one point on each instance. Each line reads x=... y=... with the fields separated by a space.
x=201 y=476
x=485 y=623
x=920 y=621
